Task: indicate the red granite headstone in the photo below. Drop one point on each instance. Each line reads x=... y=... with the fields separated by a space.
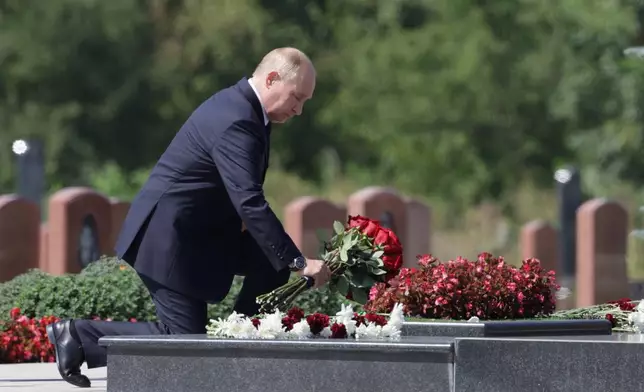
x=602 y=230
x=19 y=236
x=80 y=228
x=309 y=218
x=539 y=241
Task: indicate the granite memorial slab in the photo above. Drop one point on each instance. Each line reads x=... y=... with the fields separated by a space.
x=507 y=328
x=194 y=363
x=554 y=364
x=495 y=356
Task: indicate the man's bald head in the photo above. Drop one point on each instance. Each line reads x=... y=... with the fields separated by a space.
x=289 y=62
x=285 y=79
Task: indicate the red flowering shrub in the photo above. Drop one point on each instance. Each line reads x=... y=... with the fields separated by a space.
x=459 y=289
x=24 y=339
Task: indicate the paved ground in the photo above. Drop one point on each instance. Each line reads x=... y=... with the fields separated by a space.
x=44 y=377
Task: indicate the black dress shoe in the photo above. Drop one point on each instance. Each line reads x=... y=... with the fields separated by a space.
x=69 y=353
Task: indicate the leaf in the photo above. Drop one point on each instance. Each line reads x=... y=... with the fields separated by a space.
x=338 y=227
x=342 y=285
x=363 y=280
x=360 y=295
x=376 y=271
x=372 y=263
x=344 y=256
x=378 y=254
x=347 y=243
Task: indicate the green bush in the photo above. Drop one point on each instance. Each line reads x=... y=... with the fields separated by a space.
x=109 y=288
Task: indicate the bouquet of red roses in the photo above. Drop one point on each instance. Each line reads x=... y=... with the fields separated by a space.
x=360 y=254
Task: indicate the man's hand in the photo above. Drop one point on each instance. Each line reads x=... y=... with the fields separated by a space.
x=317 y=270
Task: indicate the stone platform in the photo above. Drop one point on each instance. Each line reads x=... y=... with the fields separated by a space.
x=542 y=362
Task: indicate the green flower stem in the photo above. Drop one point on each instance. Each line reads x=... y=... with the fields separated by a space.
x=282 y=297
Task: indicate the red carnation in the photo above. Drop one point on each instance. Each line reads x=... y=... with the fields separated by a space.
x=317 y=322
x=359 y=319
x=624 y=304
x=296 y=314
x=256 y=322
x=287 y=322
x=612 y=320
x=338 y=331
x=376 y=319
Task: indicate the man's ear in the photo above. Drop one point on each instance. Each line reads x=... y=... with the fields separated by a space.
x=271 y=78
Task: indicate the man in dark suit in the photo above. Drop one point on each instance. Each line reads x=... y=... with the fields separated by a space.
x=201 y=218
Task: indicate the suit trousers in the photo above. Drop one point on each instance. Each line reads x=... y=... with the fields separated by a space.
x=180 y=314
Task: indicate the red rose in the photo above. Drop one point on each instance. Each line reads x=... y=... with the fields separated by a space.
x=392 y=262
x=392 y=257
x=389 y=240
x=338 y=331
x=368 y=226
x=256 y=322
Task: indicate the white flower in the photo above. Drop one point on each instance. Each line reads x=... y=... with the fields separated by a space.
x=216 y=327
x=235 y=317
x=397 y=317
x=245 y=329
x=391 y=332
x=368 y=331
x=271 y=326
x=637 y=319
x=563 y=293
x=241 y=327
x=473 y=319
x=345 y=316
x=326 y=332
x=640 y=307
x=301 y=330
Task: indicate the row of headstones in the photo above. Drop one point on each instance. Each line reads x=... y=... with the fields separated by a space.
x=84 y=224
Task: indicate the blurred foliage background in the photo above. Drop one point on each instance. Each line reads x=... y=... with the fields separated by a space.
x=467 y=104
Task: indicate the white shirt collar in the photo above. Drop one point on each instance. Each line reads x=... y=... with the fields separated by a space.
x=260 y=102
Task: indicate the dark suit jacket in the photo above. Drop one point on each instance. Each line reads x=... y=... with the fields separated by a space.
x=183 y=229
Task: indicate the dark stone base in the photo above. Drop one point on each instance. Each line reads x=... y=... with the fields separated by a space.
x=570 y=364
x=199 y=363
x=413 y=364
x=508 y=328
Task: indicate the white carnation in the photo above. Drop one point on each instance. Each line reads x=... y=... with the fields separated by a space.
x=326 y=332
x=301 y=330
